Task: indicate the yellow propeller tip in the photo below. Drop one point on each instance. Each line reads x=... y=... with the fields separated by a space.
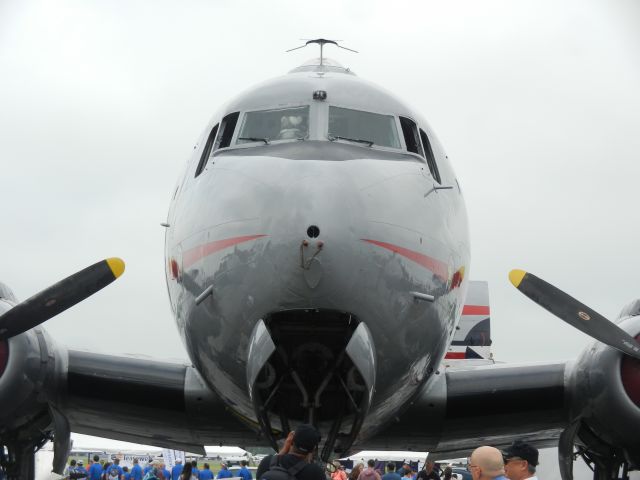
x=516 y=276
x=116 y=265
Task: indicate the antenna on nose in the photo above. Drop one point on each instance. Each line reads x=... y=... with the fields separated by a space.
x=322 y=42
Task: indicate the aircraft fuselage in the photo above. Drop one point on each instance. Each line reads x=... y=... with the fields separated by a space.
x=314 y=236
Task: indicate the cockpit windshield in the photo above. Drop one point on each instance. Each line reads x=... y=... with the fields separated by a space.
x=363 y=127
x=270 y=125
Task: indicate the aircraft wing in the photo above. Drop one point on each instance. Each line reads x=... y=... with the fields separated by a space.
x=144 y=401
x=487 y=405
x=46 y=391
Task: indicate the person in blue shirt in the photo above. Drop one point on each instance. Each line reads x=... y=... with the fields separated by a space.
x=95 y=470
x=244 y=472
x=391 y=472
x=165 y=472
x=81 y=470
x=206 y=473
x=224 y=472
x=194 y=469
x=147 y=469
x=176 y=470
x=136 y=470
x=115 y=468
x=127 y=474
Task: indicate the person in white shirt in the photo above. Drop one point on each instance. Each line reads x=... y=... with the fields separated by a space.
x=520 y=461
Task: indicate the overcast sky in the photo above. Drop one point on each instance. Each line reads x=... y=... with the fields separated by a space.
x=537 y=103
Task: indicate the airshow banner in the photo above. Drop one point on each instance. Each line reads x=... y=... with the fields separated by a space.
x=170 y=457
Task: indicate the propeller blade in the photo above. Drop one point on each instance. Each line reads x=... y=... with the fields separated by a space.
x=59 y=297
x=574 y=312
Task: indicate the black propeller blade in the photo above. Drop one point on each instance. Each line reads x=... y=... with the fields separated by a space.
x=59 y=297
x=574 y=312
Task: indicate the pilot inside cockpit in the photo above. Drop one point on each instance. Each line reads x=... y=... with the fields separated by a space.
x=278 y=124
x=291 y=126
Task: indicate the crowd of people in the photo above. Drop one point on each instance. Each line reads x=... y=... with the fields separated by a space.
x=155 y=470
x=295 y=462
x=518 y=462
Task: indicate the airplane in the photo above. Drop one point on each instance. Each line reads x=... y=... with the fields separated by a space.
x=317 y=259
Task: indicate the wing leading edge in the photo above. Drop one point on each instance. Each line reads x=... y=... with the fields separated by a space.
x=489 y=405
x=143 y=401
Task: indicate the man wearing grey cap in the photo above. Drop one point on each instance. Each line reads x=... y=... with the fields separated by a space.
x=293 y=462
x=520 y=461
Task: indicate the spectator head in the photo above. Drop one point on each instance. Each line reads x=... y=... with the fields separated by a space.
x=116 y=461
x=206 y=466
x=371 y=463
x=72 y=463
x=178 y=461
x=80 y=463
x=194 y=464
x=244 y=463
x=429 y=466
x=305 y=439
x=391 y=467
x=486 y=463
x=135 y=461
x=223 y=466
x=520 y=460
x=96 y=458
x=125 y=469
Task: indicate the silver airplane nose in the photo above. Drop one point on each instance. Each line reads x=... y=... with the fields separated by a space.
x=314 y=236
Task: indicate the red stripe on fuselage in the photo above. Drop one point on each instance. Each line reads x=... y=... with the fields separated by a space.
x=475 y=310
x=439 y=268
x=455 y=355
x=193 y=255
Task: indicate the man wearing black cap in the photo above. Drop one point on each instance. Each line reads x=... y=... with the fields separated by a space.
x=293 y=462
x=520 y=461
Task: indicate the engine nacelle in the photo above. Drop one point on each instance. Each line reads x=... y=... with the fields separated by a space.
x=27 y=372
x=604 y=390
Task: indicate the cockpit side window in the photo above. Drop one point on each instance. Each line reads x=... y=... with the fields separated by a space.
x=227 y=127
x=411 y=138
x=431 y=159
x=373 y=129
x=272 y=125
x=207 y=150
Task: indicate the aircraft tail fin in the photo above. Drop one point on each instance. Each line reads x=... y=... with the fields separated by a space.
x=472 y=340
